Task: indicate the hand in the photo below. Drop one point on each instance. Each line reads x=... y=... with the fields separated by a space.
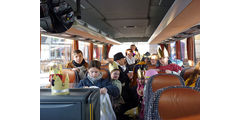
x=75 y=69
x=85 y=87
x=168 y=71
x=103 y=90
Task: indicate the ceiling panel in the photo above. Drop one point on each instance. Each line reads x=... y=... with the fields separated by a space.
x=122 y=8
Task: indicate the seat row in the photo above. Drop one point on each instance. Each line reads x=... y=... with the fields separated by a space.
x=167 y=97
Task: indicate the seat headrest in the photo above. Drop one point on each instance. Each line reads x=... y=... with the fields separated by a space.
x=181 y=102
x=104 y=66
x=105 y=73
x=71 y=75
x=186 y=73
x=165 y=80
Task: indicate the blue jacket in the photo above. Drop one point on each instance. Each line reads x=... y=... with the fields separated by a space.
x=111 y=89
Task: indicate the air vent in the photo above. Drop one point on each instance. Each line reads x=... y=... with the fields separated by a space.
x=129 y=26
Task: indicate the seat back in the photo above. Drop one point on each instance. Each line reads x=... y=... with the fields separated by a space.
x=186 y=72
x=198 y=83
x=71 y=75
x=175 y=102
x=157 y=82
x=104 y=66
x=105 y=73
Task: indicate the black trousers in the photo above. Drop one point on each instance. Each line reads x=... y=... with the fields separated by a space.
x=131 y=100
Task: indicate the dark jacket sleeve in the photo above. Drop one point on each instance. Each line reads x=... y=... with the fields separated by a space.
x=81 y=84
x=111 y=89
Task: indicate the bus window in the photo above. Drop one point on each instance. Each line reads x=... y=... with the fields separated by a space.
x=53 y=49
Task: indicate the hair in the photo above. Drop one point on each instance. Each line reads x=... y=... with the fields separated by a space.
x=154 y=55
x=94 y=63
x=135 y=47
x=193 y=77
x=77 y=51
x=128 y=50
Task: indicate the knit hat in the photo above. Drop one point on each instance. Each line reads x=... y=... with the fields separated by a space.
x=118 y=56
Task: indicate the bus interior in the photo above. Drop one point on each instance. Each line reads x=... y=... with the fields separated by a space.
x=102 y=28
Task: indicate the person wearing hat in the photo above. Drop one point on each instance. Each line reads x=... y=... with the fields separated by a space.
x=165 y=66
x=129 y=94
x=116 y=101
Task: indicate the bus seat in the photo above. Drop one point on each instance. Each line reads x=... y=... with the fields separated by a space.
x=198 y=83
x=105 y=73
x=104 y=62
x=175 y=102
x=160 y=81
x=186 y=72
x=110 y=60
x=71 y=75
x=104 y=66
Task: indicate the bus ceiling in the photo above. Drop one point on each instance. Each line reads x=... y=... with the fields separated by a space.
x=117 y=21
x=181 y=21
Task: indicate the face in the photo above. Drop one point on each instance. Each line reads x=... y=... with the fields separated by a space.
x=164 y=61
x=130 y=55
x=121 y=61
x=153 y=61
x=94 y=72
x=78 y=58
x=133 y=47
x=115 y=74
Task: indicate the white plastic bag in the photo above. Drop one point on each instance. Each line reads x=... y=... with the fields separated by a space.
x=106 y=110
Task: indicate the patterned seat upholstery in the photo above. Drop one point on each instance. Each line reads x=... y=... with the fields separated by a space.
x=175 y=102
x=157 y=82
x=198 y=83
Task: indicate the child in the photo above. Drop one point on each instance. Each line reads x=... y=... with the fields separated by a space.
x=78 y=64
x=148 y=74
x=94 y=78
x=115 y=73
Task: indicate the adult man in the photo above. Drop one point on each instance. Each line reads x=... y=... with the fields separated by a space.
x=129 y=94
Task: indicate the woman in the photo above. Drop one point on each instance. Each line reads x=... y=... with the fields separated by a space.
x=191 y=80
x=130 y=59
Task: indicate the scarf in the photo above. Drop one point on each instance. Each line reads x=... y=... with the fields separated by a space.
x=94 y=79
x=79 y=65
x=123 y=67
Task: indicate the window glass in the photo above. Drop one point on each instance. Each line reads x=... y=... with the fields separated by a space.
x=53 y=50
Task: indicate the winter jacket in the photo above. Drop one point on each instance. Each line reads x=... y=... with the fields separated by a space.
x=101 y=83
